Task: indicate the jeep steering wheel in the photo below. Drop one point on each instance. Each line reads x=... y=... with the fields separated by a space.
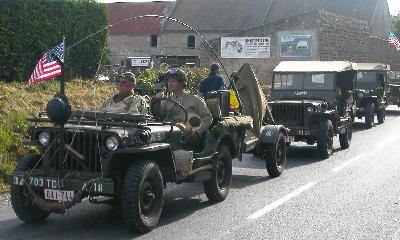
x=156 y=103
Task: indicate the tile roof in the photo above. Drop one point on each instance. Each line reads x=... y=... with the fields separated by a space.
x=120 y=11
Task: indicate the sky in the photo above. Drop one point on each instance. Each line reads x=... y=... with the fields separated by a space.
x=394 y=5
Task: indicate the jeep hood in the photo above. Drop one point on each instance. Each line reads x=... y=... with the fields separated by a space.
x=254 y=103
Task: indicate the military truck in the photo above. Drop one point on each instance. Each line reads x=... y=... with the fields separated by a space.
x=130 y=158
x=371 y=92
x=314 y=99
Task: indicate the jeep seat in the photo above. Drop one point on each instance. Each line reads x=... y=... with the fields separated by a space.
x=218 y=103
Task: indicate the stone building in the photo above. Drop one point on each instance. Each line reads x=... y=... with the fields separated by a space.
x=294 y=29
x=135 y=38
x=329 y=37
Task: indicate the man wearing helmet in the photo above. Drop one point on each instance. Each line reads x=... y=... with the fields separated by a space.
x=213 y=82
x=126 y=101
x=194 y=105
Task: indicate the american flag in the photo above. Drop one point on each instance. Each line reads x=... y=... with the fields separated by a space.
x=47 y=67
x=394 y=41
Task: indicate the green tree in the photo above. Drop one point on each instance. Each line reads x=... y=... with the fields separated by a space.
x=30 y=28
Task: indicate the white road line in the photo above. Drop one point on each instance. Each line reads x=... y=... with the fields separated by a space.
x=268 y=208
x=340 y=167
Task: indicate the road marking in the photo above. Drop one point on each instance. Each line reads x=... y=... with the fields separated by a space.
x=268 y=208
x=340 y=167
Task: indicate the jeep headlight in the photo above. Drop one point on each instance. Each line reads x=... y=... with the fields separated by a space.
x=112 y=143
x=310 y=109
x=44 y=138
x=360 y=95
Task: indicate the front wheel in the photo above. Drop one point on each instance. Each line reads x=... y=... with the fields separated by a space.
x=325 y=139
x=345 y=139
x=275 y=156
x=381 y=116
x=20 y=200
x=370 y=115
x=217 y=188
x=142 y=196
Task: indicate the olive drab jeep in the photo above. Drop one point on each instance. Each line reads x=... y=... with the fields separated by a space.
x=371 y=92
x=314 y=99
x=394 y=88
x=130 y=158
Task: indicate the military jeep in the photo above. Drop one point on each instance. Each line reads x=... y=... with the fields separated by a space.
x=314 y=99
x=130 y=158
x=371 y=92
x=394 y=88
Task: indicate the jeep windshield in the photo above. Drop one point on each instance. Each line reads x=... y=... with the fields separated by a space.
x=367 y=77
x=304 y=81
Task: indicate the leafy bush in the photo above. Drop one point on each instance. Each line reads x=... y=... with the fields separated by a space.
x=30 y=28
x=146 y=81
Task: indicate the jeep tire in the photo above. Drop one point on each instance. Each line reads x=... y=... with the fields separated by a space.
x=369 y=115
x=22 y=205
x=345 y=138
x=325 y=139
x=142 y=196
x=217 y=188
x=275 y=156
x=381 y=116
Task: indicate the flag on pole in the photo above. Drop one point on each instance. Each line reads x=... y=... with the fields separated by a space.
x=48 y=67
x=394 y=41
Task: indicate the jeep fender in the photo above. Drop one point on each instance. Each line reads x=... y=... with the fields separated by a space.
x=269 y=134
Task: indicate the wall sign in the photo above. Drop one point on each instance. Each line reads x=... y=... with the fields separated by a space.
x=245 y=47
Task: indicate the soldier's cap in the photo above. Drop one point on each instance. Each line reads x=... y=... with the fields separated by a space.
x=214 y=68
x=178 y=74
x=129 y=76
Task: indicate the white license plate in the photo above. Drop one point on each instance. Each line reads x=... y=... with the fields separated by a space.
x=57 y=195
x=290 y=138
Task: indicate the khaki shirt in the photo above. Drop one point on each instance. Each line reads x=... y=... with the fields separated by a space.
x=127 y=103
x=194 y=106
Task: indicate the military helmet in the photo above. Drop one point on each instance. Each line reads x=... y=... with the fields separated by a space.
x=178 y=74
x=129 y=76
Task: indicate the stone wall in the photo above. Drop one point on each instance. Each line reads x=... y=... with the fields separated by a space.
x=123 y=46
x=343 y=39
x=175 y=42
x=351 y=40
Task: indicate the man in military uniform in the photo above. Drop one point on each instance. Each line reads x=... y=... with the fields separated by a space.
x=126 y=101
x=194 y=105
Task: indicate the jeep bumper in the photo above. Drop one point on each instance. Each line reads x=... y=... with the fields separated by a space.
x=101 y=186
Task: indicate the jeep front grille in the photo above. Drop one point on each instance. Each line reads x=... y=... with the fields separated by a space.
x=85 y=143
x=288 y=113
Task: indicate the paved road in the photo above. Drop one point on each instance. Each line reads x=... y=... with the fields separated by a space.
x=355 y=194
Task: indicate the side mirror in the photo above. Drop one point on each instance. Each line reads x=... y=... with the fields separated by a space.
x=194 y=121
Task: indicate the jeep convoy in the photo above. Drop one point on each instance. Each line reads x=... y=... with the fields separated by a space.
x=129 y=158
x=318 y=100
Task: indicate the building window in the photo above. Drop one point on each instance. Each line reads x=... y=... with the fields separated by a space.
x=153 y=40
x=191 y=43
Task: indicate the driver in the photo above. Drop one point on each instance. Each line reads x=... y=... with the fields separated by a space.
x=193 y=105
x=126 y=101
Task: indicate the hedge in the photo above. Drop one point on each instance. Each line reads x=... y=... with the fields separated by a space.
x=30 y=28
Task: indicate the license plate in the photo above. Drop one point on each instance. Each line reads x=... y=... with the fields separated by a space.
x=57 y=195
x=290 y=138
